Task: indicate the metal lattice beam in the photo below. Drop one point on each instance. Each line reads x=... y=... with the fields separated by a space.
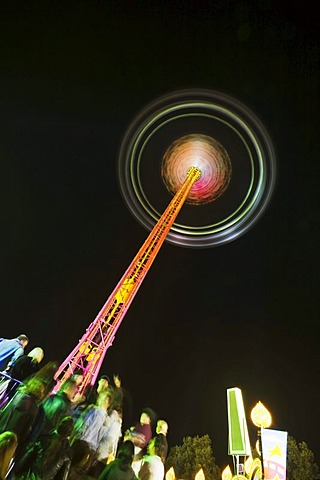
x=88 y=355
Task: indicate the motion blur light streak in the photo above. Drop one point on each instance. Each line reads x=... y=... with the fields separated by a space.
x=218 y=134
x=206 y=154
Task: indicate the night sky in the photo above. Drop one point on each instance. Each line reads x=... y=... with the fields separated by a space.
x=73 y=76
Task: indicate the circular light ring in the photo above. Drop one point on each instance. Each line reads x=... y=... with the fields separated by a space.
x=231 y=126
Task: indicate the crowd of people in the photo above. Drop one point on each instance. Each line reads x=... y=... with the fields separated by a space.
x=50 y=431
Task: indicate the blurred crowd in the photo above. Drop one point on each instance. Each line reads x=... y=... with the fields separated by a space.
x=50 y=431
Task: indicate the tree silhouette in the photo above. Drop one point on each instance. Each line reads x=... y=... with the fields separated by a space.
x=193 y=454
x=300 y=462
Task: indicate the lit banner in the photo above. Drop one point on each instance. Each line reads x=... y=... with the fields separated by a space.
x=238 y=443
x=274 y=450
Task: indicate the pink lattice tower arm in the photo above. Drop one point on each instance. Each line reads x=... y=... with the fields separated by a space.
x=88 y=355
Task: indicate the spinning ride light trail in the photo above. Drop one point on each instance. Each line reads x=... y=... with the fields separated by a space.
x=216 y=157
x=230 y=127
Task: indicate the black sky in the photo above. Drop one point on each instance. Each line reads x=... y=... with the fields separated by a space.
x=73 y=75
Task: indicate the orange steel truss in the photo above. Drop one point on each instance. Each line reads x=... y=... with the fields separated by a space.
x=87 y=357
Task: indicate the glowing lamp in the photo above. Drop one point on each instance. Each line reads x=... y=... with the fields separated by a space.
x=200 y=475
x=170 y=475
x=261 y=416
x=226 y=474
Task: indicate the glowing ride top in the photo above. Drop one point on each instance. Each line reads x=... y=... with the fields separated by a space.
x=204 y=153
x=88 y=355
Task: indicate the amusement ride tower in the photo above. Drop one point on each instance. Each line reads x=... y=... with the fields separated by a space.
x=88 y=355
x=198 y=133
